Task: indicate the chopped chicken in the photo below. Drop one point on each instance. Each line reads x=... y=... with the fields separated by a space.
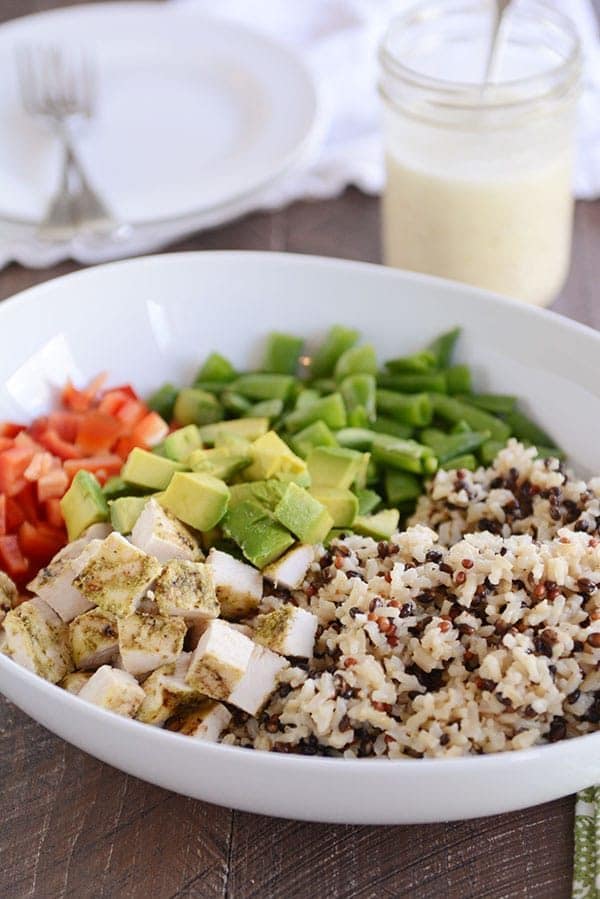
x=74 y=682
x=204 y=722
x=290 y=570
x=114 y=690
x=287 y=630
x=239 y=586
x=38 y=639
x=8 y=595
x=117 y=576
x=54 y=583
x=228 y=665
x=94 y=639
x=166 y=691
x=148 y=641
x=164 y=537
x=187 y=589
x=98 y=531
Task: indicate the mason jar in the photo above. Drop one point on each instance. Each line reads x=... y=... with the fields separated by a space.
x=479 y=174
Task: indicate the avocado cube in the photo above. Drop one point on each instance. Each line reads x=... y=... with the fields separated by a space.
x=368 y=501
x=270 y=456
x=181 y=443
x=250 y=428
x=199 y=500
x=316 y=434
x=144 y=469
x=380 y=526
x=194 y=406
x=263 y=493
x=83 y=504
x=221 y=462
x=261 y=538
x=341 y=504
x=303 y=515
x=125 y=511
x=331 y=466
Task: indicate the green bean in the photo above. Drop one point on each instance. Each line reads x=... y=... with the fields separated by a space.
x=316 y=434
x=490 y=449
x=282 y=353
x=216 y=387
x=411 y=408
x=358 y=391
x=443 y=347
x=261 y=386
x=359 y=360
x=423 y=361
x=330 y=409
x=306 y=398
x=496 y=403
x=446 y=446
x=338 y=340
x=163 y=401
x=368 y=501
x=265 y=409
x=355 y=438
x=216 y=368
x=461 y=427
x=385 y=425
x=467 y=461
x=324 y=385
x=407 y=455
x=413 y=383
x=235 y=403
x=358 y=418
x=453 y=410
x=550 y=452
x=401 y=486
x=458 y=379
x=525 y=429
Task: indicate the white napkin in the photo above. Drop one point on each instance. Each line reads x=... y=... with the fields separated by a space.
x=338 y=40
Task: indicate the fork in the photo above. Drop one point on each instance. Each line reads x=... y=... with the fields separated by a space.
x=62 y=90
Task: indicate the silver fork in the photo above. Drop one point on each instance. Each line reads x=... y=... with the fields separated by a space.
x=61 y=89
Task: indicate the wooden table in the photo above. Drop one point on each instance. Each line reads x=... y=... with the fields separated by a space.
x=72 y=826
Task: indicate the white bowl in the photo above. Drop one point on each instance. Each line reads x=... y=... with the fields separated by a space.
x=151 y=319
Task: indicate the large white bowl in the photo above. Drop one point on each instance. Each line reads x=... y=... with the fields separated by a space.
x=151 y=319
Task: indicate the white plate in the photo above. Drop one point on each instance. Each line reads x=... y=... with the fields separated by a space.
x=193 y=112
x=151 y=319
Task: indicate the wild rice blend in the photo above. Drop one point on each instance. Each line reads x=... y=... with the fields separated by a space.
x=475 y=630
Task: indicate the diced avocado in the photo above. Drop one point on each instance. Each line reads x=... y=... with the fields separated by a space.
x=262 y=493
x=331 y=466
x=316 y=434
x=250 y=428
x=232 y=441
x=145 y=469
x=301 y=478
x=159 y=450
x=221 y=462
x=199 y=500
x=261 y=538
x=125 y=511
x=365 y=473
x=341 y=504
x=216 y=368
x=360 y=360
x=380 y=526
x=83 y=504
x=368 y=501
x=264 y=386
x=307 y=396
x=197 y=407
x=163 y=401
x=329 y=409
x=282 y=353
x=271 y=456
x=182 y=442
x=303 y=515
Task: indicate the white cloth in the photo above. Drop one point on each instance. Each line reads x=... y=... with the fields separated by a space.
x=338 y=40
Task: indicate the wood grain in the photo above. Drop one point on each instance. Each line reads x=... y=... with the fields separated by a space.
x=74 y=827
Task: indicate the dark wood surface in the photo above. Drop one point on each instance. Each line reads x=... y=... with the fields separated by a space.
x=72 y=826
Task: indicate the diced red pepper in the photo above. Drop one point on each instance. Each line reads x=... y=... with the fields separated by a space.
x=40 y=542
x=150 y=430
x=131 y=413
x=54 y=515
x=59 y=447
x=12 y=559
x=52 y=485
x=13 y=463
x=65 y=424
x=103 y=466
x=14 y=515
x=2 y=514
x=97 y=432
x=10 y=429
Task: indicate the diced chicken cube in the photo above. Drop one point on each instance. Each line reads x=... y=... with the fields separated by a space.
x=187 y=589
x=98 y=531
x=290 y=570
x=239 y=586
x=220 y=660
x=38 y=639
x=74 y=682
x=205 y=722
x=94 y=639
x=8 y=595
x=287 y=630
x=148 y=641
x=259 y=681
x=164 y=537
x=55 y=583
x=118 y=576
x=166 y=691
x=114 y=690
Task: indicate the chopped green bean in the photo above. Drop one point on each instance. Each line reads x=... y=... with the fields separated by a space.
x=453 y=410
x=496 y=403
x=355 y=438
x=410 y=408
x=359 y=391
x=358 y=418
x=550 y=452
x=424 y=361
x=163 y=401
x=197 y=407
x=467 y=461
x=461 y=427
x=446 y=446
x=330 y=409
x=360 y=360
x=216 y=368
x=306 y=398
x=408 y=455
x=401 y=486
x=338 y=340
x=324 y=385
x=235 y=403
x=413 y=383
x=265 y=409
x=489 y=450
x=443 y=347
x=525 y=429
x=316 y=434
x=368 y=501
x=261 y=386
x=458 y=379
x=385 y=425
x=282 y=353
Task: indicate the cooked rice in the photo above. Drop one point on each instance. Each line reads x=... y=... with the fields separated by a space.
x=476 y=630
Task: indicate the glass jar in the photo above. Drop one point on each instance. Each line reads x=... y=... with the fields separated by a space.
x=479 y=176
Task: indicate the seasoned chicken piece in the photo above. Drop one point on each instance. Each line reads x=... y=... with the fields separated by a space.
x=227 y=665
x=8 y=595
x=239 y=586
x=287 y=630
x=117 y=576
x=38 y=639
x=166 y=691
x=94 y=639
x=97 y=531
x=114 y=690
x=187 y=589
x=206 y=721
x=74 y=682
x=148 y=641
x=54 y=583
x=290 y=570
x=164 y=537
